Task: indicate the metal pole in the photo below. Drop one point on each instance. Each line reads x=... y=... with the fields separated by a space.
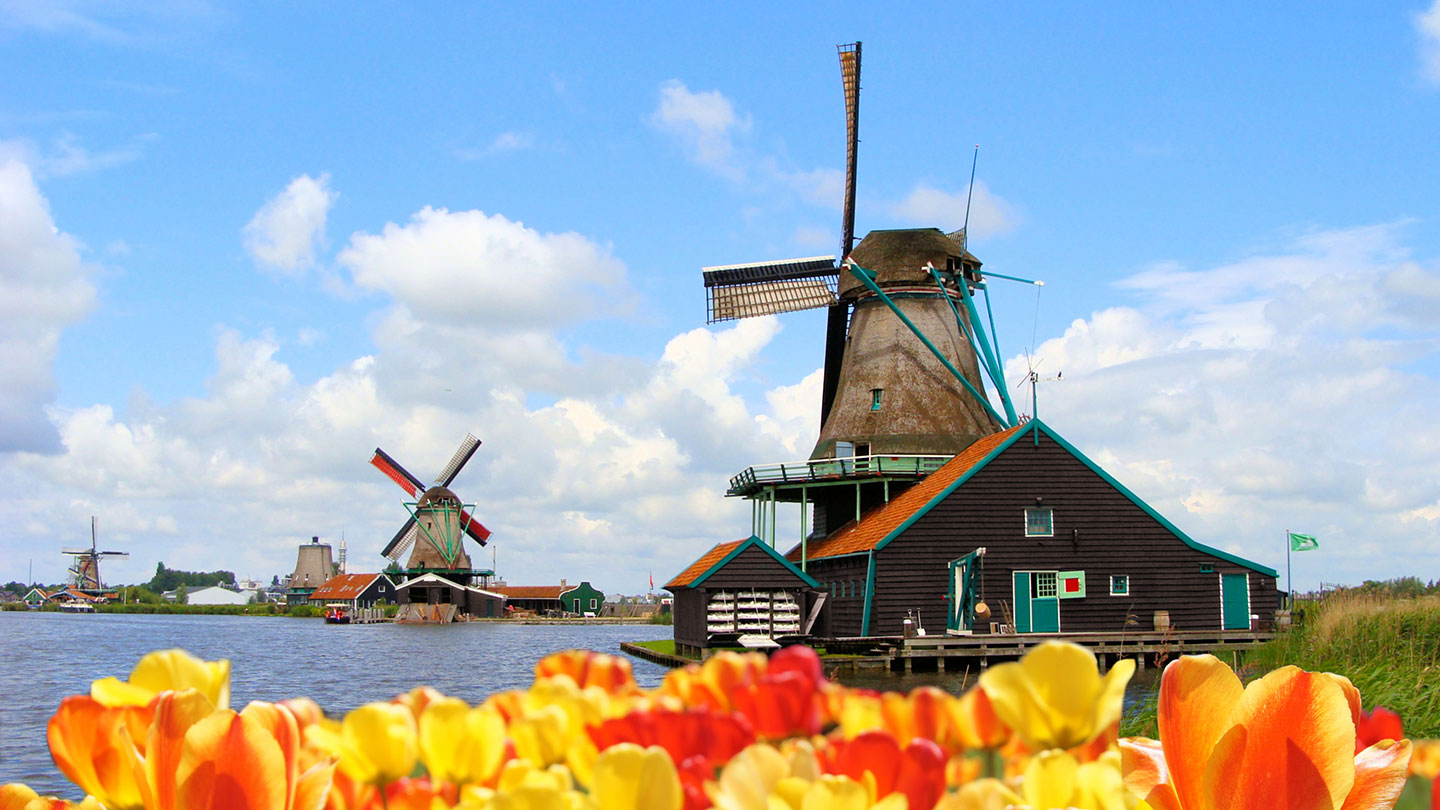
x=1289 y=584
x=804 y=530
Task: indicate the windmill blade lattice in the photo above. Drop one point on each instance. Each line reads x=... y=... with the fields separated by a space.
x=441 y=508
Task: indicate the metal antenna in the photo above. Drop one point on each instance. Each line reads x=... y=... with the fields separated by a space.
x=969 y=193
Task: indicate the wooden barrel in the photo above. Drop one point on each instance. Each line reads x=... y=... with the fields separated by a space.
x=1162 y=621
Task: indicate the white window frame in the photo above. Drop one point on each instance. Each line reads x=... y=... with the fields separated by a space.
x=1114 y=592
x=1026 y=518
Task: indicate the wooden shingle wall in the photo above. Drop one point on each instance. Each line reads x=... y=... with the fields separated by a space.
x=1097 y=530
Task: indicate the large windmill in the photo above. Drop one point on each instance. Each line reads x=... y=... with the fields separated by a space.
x=85 y=573
x=438 y=522
x=906 y=355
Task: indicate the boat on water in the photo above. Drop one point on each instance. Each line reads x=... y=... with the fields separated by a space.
x=337 y=613
x=76 y=607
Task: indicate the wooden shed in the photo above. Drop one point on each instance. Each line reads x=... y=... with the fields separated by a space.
x=1055 y=544
x=743 y=587
x=429 y=589
x=354 y=590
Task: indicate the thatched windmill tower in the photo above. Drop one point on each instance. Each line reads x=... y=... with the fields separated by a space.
x=906 y=356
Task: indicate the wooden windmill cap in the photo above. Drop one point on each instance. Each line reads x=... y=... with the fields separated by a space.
x=900 y=256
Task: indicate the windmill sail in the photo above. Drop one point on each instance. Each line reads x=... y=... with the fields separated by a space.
x=736 y=291
x=466 y=450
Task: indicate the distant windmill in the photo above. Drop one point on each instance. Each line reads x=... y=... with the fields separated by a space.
x=438 y=520
x=85 y=573
x=906 y=353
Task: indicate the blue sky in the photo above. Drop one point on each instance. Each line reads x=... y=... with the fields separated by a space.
x=244 y=245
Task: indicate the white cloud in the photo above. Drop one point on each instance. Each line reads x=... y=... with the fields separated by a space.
x=470 y=267
x=503 y=143
x=1427 y=24
x=925 y=206
x=43 y=288
x=705 y=123
x=284 y=233
x=1286 y=390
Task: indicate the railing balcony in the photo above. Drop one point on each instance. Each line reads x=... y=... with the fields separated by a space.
x=829 y=470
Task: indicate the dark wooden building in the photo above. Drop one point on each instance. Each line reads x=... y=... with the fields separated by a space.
x=740 y=588
x=429 y=589
x=1056 y=543
x=354 y=591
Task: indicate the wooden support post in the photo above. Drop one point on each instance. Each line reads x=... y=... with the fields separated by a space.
x=1140 y=662
x=804 y=529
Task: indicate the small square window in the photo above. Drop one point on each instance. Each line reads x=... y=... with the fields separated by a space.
x=1207 y=568
x=1119 y=585
x=875 y=394
x=1040 y=522
x=592 y=604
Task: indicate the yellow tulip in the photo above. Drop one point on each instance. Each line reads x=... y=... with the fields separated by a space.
x=982 y=794
x=750 y=777
x=16 y=796
x=628 y=777
x=460 y=744
x=166 y=670
x=843 y=793
x=1054 y=779
x=541 y=737
x=1054 y=697
x=377 y=743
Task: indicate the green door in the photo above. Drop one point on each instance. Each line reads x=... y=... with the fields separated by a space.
x=1045 y=605
x=1022 y=601
x=1235 y=600
x=962 y=592
x=1037 y=603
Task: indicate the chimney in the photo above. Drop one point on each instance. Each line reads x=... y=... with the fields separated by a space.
x=562 y=583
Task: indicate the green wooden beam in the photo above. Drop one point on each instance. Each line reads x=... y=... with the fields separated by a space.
x=867 y=277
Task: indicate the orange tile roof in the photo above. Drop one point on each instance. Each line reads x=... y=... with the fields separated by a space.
x=344 y=586
x=877 y=524
x=530 y=591
x=700 y=566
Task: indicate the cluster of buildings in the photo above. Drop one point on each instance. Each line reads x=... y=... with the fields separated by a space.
x=923 y=506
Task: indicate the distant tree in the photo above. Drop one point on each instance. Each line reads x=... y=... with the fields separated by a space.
x=18 y=588
x=181 y=597
x=168 y=579
x=275 y=581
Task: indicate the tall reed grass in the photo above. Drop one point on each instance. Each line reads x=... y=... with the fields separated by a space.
x=1389 y=647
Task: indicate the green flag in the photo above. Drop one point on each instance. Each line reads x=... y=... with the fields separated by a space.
x=1303 y=542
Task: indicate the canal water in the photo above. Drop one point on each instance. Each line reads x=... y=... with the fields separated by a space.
x=46 y=656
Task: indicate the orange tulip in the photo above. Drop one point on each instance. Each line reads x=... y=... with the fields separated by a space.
x=917 y=770
x=100 y=748
x=975 y=721
x=609 y=672
x=1285 y=741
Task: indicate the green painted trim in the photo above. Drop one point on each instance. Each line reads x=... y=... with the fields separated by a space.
x=1035 y=426
x=755 y=541
x=869 y=596
x=945 y=493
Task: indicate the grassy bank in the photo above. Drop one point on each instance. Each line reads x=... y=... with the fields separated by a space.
x=1388 y=646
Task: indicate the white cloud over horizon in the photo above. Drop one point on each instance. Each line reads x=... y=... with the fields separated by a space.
x=284 y=233
x=44 y=287
x=1427 y=25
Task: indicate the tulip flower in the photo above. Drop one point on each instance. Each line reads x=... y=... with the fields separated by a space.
x=611 y=673
x=982 y=794
x=419 y=794
x=100 y=749
x=1285 y=741
x=1054 y=697
x=1375 y=725
x=628 y=777
x=460 y=744
x=16 y=796
x=916 y=771
x=975 y=723
x=376 y=743
x=1425 y=759
x=166 y=670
